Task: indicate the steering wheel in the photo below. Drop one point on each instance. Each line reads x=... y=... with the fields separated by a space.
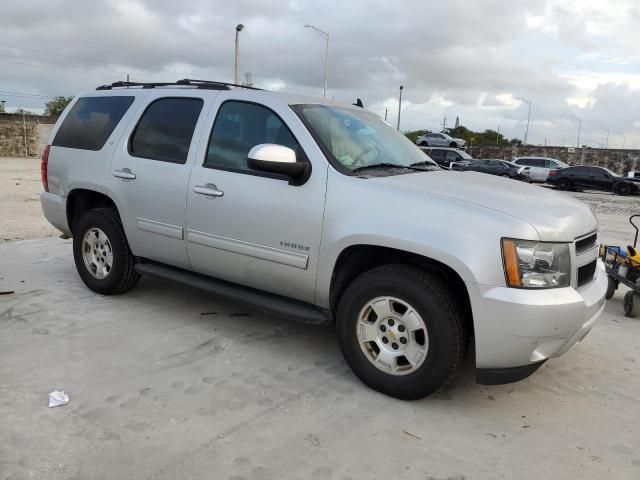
x=357 y=160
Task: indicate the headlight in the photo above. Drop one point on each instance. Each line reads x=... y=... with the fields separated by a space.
x=529 y=264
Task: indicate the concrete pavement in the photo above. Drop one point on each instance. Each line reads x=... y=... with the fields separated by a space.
x=169 y=382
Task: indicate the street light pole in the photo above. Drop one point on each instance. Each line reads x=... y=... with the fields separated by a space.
x=400 y=105
x=325 y=36
x=236 y=76
x=579 y=128
x=526 y=133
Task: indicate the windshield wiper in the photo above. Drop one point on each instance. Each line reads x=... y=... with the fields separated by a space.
x=388 y=165
x=427 y=163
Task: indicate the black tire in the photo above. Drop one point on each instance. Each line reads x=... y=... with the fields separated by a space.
x=612 y=286
x=453 y=145
x=630 y=304
x=505 y=175
x=622 y=189
x=424 y=144
x=563 y=184
x=428 y=295
x=122 y=276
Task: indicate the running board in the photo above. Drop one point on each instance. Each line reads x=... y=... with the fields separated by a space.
x=293 y=309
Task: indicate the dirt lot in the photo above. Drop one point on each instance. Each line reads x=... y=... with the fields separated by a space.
x=168 y=382
x=20 y=212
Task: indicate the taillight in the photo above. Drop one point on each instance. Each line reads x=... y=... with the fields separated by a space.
x=553 y=173
x=44 y=164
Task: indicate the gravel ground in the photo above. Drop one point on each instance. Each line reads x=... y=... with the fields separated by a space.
x=20 y=213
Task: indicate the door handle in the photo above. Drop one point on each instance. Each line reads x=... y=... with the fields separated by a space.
x=124 y=173
x=208 y=189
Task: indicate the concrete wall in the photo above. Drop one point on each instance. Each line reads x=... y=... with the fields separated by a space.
x=615 y=159
x=24 y=135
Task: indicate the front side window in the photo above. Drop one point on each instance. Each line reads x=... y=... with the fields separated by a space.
x=165 y=129
x=495 y=163
x=91 y=121
x=240 y=126
x=355 y=138
x=452 y=156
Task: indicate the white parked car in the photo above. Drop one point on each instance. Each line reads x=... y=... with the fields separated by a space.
x=440 y=140
x=540 y=166
x=633 y=174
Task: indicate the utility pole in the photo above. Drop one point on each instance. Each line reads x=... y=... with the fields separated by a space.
x=326 y=37
x=386 y=112
x=579 y=128
x=497 y=135
x=400 y=105
x=444 y=123
x=236 y=78
x=526 y=133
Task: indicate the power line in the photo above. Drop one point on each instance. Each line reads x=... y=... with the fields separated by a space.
x=23 y=94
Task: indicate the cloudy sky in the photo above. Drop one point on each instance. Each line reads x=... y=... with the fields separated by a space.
x=464 y=58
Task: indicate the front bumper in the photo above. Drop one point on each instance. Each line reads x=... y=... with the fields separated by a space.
x=521 y=328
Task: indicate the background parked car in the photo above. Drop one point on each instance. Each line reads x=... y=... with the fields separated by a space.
x=440 y=140
x=540 y=166
x=632 y=174
x=501 y=168
x=594 y=178
x=449 y=158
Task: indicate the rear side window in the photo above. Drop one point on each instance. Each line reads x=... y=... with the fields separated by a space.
x=165 y=129
x=91 y=121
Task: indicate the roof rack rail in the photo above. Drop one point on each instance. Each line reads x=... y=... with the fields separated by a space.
x=204 y=84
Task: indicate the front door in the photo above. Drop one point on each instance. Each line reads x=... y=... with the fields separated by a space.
x=150 y=174
x=252 y=228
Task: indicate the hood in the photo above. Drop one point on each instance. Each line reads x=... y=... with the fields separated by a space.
x=460 y=140
x=555 y=216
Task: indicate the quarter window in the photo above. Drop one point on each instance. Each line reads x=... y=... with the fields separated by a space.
x=90 y=122
x=240 y=126
x=165 y=129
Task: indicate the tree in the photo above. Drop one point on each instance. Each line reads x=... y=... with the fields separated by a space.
x=56 y=105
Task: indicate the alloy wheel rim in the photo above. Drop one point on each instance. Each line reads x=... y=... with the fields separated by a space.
x=392 y=335
x=97 y=253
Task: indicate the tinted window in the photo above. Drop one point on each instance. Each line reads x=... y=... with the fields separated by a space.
x=478 y=163
x=577 y=171
x=238 y=128
x=495 y=163
x=91 y=121
x=550 y=164
x=452 y=156
x=165 y=129
x=437 y=154
x=537 y=162
x=597 y=172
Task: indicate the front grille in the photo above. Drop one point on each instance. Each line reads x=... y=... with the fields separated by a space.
x=586 y=273
x=586 y=243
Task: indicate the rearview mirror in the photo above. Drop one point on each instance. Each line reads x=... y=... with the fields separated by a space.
x=278 y=159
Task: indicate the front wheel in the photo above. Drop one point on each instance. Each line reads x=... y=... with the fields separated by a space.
x=423 y=144
x=612 y=286
x=631 y=307
x=563 y=184
x=101 y=253
x=622 y=189
x=401 y=331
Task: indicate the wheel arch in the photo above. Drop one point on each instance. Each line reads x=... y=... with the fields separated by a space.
x=356 y=259
x=80 y=200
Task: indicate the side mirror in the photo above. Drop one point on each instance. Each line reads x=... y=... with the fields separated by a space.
x=278 y=159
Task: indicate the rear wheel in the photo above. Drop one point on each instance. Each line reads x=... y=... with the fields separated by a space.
x=453 y=145
x=400 y=331
x=424 y=144
x=101 y=253
x=505 y=175
x=563 y=184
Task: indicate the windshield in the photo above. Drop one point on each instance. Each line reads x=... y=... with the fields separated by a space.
x=613 y=174
x=358 y=138
x=465 y=155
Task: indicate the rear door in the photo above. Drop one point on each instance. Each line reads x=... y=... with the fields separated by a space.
x=150 y=173
x=258 y=229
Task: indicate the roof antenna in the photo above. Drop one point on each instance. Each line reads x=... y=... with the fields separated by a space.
x=358 y=103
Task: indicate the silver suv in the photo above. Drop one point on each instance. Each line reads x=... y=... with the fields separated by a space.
x=540 y=166
x=321 y=212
